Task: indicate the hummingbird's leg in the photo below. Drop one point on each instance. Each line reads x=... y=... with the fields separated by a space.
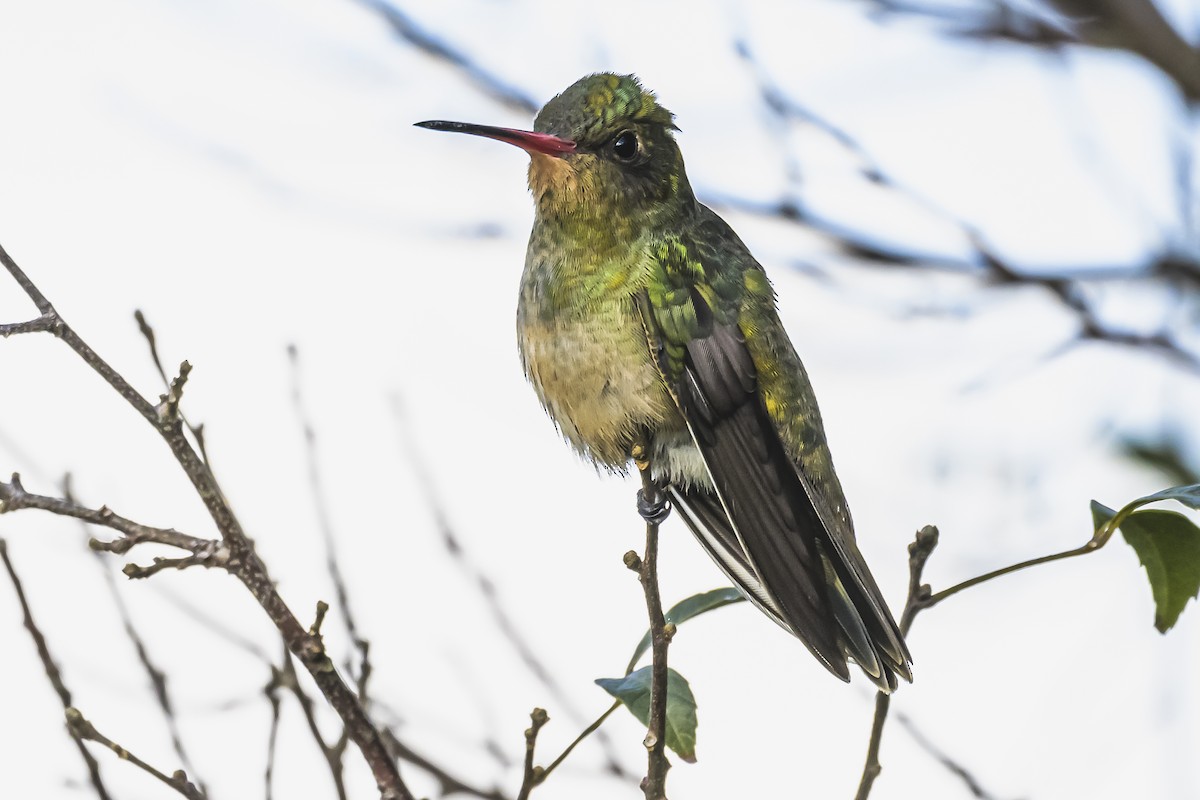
x=654 y=509
x=652 y=502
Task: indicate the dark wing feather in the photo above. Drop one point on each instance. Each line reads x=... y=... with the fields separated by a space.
x=748 y=474
x=769 y=529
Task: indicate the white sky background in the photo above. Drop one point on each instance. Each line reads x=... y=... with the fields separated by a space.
x=247 y=174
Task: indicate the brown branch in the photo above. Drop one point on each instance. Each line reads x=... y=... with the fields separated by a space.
x=654 y=787
x=918 y=554
x=42 y=324
x=271 y=690
x=242 y=561
x=285 y=678
x=53 y=674
x=147 y=332
x=204 y=552
x=532 y=775
x=178 y=780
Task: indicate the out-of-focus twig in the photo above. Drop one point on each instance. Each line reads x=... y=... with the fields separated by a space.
x=448 y=784
x=487 y=590
x=429 y=43
x=954 y=767
x=325 y=525
x=53 y=674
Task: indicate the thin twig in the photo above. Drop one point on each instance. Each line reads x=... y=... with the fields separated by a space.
x=178 y=780
x=204 y=552
x=429 y=43
x=324 y=522
x=487 y=590
x=271 y=690
x=933 y=599
x=362 y=670
x=53 y=674
x=13 y=497
x=148 y=334
x=958 y=770
x=532 y=775
x=918 y=554
x=588 y=731
x=288 y=679
x=448 y=784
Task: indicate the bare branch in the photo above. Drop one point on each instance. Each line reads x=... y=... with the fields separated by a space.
x=271 y=690
x=487 y=590
x=655 y=784
x=13 y=497
x=43 y=324
x=242 y=561
x=53 y=674
x=918 y=593
x=958 y=770
x=147 y=332
x=321 y=508
x=168 y=407
x=178 y=780
x=533 y=775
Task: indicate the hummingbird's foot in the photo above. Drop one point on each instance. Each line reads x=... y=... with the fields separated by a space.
x=654 y=510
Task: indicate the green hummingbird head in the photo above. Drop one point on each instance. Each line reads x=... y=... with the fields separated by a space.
x=603 y=147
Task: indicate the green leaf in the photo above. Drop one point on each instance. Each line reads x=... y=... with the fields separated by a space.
x=634 y=691
x=1100 y=515
x=1168 y=545
x=687 y=608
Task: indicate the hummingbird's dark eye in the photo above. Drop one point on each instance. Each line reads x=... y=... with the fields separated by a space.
x=625 y=146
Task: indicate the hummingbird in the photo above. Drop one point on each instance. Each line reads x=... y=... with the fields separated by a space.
x=643 y=318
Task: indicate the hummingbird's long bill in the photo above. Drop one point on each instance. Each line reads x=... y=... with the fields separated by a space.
x=529 y=141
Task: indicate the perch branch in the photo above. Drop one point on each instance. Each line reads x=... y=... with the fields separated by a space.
x=655 y=784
